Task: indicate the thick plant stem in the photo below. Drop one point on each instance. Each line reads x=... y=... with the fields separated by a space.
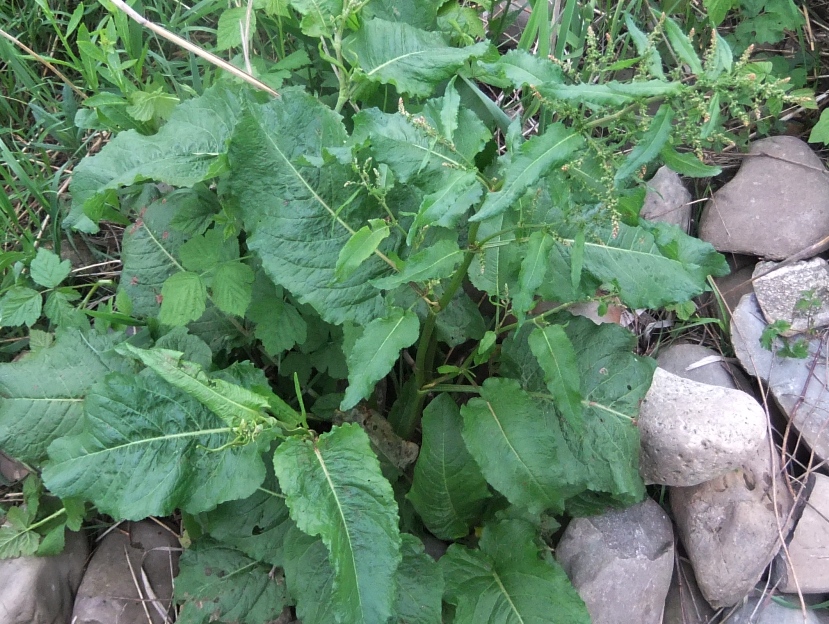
x=427 y=346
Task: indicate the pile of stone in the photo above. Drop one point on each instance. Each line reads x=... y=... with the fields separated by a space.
x=750 y=526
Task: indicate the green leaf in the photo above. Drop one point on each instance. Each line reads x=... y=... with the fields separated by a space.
x=645 y=48
x=721 y=59
x=376 y=351
x=278 y=324
x=293 y=212
x=232 y=288
x=255 y=526
x=717 y=10
x=506 y=582
x=418 y=13
x=309 y=576
x=47 y=269
x=147 y=449
x=649 y=146
x=610 y=93
x=230 y=402
x=232 y=22
x=17 y=541
x=185 y=151
x=335 y=489
x=412 y=60
x=318 y=16
x=535 y=158
x=60 y=311
x=434 y=262
x=557 y=358
x=147 y=251
x=820 y=131
x=146 y=106
x=447 y=206
x=219 y=584
x=183 y=299
x=682 y=46
x=448 y=490
x=419 y=585
x=192 y=347
x=20 y=306
x=520 y=69
x=495 y=270
x=520 y=447
x=687 y=164
x=361 y=246
x=533 y=269
x=206 y=251
x=645 y=278
x=42 y=394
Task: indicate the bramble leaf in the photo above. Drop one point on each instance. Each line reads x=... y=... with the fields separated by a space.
x=231 y=24
x=219 y=584
x=448 y=489
x=335 y=489
x=184 y=297
x=376 y=351
x=47 y=269
x=20 y=306
x=42 y=395
x=506 y=581
x=232 y=288
x=147 y=449
x=413 y=60
x=520 y=447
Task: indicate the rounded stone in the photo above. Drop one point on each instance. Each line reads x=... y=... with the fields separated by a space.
x=693 y=432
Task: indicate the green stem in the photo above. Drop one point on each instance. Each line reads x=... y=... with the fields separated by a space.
x=427 y=346
x=451 y=388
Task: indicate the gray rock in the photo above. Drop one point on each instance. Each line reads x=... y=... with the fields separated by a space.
x=729 y=526
x=40 y=590
x=667 y=200
x=621 y=563
x=143 y=552
x=693 y=432
x=11 y=470
x=808 y=549
x=698 y=363
x=765 y=611
x=795 y=384
x=781 y=291
x=776 y=205
x=685 y=604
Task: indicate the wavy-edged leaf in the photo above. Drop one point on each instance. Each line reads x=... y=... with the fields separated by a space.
x=309 y=577
x=645 y=48
x=557 y=358
x=434 y=262
x=41 y=396
x=256 y=525
x=418 y=13
x=413 y=60
x=535 y=157
x=649 y=145
x=533 y=269
x=496 y=268
x=359 y=248
x=643 y=275
x=609 y=93
x=419 y=585
x=217 y=583
x=147 y=449
x=448 y=490
x=295 y=213
x=335 y=489
x=375 y=352
x=613 y=381
x=682 y=45
x=520 y=447
x=185 y=151
x=447 y=206
x=230 y=402
x=687 y=164
x=507 y=582
x=520 y=69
